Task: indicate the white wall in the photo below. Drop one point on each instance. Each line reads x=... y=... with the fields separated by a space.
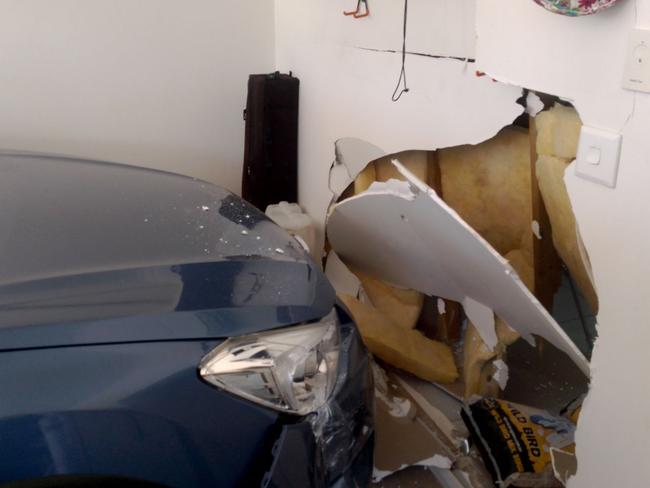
x=346 y=92
x=582 y=60
x=158 y=83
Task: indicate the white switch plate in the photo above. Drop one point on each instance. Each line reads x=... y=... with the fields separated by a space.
x=637 y=61
x=598 y=155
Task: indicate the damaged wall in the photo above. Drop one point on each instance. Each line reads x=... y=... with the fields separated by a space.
x=582 y=59
x=158 y=83
x=346 y=93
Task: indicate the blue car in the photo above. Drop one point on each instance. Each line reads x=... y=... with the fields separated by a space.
x=158 y=330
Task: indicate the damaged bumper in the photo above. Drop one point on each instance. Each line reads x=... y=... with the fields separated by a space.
x=333 y=446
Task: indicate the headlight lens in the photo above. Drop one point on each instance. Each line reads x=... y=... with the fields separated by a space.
x=292 y=370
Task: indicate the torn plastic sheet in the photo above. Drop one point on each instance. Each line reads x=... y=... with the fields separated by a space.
x=415 y=240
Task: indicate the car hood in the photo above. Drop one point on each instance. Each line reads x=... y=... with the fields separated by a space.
x=97 y=252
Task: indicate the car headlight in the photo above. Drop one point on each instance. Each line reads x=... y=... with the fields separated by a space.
x=292 y=369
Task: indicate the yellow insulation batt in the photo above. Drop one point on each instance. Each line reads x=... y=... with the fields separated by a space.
x=477 y=357
x=406 y=349
x=558 y=132
x=365 y=178
x=489 y=186
x=414 y=161
x=402 y=306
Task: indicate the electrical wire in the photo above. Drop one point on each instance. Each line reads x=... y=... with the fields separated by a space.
x=402 y=74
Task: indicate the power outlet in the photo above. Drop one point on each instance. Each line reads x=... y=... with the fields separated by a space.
x=598 y=155
x=637 y=61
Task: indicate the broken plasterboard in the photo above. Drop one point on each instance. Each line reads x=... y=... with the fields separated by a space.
x=352 y=156
x=414 y=239
x=405 y=435
x=341 y=278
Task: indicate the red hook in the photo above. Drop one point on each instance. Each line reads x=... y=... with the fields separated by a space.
x=356 y=13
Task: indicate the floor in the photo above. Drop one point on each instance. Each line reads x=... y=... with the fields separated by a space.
x=568 y=310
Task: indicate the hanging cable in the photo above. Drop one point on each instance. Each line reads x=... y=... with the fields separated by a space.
x=402 y=74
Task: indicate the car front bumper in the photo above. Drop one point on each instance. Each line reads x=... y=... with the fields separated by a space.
x=140 y=411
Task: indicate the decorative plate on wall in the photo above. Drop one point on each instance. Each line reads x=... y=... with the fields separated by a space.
x=576 y=7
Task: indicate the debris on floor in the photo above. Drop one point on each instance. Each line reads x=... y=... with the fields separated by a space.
x=418 y=443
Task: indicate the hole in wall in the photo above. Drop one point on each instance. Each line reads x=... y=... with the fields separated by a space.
x=510 y=190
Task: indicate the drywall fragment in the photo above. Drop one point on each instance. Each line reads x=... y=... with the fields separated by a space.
x=406 y=349
x=339 y=179
x=442 y=308
x=500 y=373
x=534 y=104
x=565 y=464
x=534 y=226
x=488 y=185
x=558 y=132
x=550 y=175
x=352 y=156
x=483 y=319
x=401 y=306
x=415 y=240
x=341 y=278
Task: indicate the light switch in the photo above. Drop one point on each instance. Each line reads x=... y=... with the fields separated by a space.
x=593 y=155
x=598 y=155
x=637 y=62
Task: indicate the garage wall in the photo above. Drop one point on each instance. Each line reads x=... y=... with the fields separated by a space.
x=158 y=83
x=346 y=93
x=347 y=80
x=582 y=60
